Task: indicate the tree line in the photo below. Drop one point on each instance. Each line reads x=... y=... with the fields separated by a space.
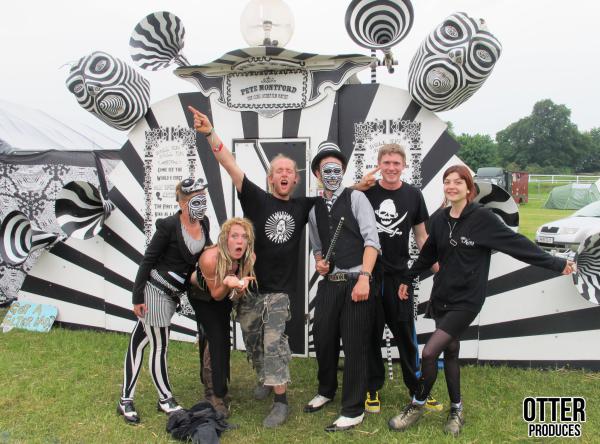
x=545 y=142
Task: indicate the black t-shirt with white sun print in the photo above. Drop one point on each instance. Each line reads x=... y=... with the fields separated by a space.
x=278 y=226
x=396 y=212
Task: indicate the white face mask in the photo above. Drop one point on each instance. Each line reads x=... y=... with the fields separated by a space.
x=197 y=207
x=331 y=175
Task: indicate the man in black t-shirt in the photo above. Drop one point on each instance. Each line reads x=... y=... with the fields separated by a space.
x=399 y=207
x=279 y=221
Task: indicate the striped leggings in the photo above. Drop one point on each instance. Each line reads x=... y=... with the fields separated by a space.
x=158 y=338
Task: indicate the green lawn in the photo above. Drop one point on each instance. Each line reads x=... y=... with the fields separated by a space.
x=62 y=387
x=533 y=214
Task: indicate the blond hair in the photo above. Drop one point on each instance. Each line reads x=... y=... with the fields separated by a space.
x=391 y=148
x=272 y=168
x=224 y=261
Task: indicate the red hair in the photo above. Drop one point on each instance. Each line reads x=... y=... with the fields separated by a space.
x=464 y=173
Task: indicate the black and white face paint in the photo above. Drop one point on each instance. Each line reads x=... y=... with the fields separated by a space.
x=331 y=175
x=197 y=207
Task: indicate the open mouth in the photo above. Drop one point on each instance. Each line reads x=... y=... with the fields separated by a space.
x=239 y=250
x=284 y=183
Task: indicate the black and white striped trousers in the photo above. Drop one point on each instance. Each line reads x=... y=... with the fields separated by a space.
x=338 y=316
x=158 y=338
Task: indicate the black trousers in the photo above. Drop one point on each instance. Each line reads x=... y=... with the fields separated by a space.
x=399 y=317
x=337 y=316
x=213 y=318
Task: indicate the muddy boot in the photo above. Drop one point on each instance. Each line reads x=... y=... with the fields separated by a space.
x=219 y=406
x=206 y=373
x=279 y=413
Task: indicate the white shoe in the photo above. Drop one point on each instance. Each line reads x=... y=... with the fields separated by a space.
x=316 y=404
x=344 y=423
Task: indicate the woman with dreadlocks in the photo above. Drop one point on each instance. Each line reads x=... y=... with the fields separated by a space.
x=224 y=272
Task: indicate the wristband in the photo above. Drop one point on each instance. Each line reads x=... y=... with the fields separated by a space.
x=365 y=273
x=208 y=134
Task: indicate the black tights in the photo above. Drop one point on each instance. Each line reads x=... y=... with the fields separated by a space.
x=439 y=342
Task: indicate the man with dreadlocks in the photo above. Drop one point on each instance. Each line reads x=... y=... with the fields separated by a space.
x=222 y=276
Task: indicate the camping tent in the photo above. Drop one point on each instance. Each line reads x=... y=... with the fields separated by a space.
x=573 y=196
x=24 y=128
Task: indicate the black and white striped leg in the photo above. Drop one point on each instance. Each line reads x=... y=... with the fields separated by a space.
x=159 y=345
x=133 y=360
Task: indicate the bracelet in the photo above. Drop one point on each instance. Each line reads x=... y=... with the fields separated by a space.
x=208 y=134
x=219 y=148
x=365 y=273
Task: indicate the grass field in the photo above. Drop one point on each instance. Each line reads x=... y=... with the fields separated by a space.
x=62 y=387
x=533 y=214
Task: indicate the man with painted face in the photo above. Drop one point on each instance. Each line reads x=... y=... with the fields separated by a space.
x=278 y=221
x=163 y=276
x=399 y=207
x=344 y=300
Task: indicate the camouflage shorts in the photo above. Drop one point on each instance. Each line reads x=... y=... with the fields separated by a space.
x=262 y=318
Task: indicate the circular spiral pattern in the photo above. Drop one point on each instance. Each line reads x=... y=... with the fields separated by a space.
x=18 y=239
x=379 y=24
x=452 y=63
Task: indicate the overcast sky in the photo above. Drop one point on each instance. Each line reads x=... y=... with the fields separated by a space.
x=551 y=50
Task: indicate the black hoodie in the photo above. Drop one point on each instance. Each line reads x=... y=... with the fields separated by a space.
x=463 y=248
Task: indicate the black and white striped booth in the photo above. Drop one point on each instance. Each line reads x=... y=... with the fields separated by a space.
x=268 y=100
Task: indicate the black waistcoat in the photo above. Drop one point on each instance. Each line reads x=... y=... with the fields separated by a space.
x=349 y=248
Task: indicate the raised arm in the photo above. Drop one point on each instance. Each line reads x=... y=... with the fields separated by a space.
x=203 y=125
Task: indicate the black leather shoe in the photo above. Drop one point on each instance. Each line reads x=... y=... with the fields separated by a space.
x=335 y=428
x=316 y=404
x=168 y=406
x=127 y=410
x=343 y=423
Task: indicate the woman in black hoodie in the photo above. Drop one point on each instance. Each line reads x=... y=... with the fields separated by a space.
x=462 y=237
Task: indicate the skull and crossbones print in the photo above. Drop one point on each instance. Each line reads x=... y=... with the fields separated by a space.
x=387 y=218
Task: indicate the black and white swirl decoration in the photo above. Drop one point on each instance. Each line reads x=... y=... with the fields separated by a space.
x=379 y=24
x=587 y=277
x=18 y=239
x=110 y=89
x=500 y=202
x=80 y=210
x=157 y=41
x=452 y=63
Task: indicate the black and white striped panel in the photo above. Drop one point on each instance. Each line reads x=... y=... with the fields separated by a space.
x=500 y=202
x=157 y=41
x=533 y=316
x=70 y=277
x=18 y=239
x=379 y=24
x=109 y=89
x=80 y=210
x=587 y=277
x=452 y=62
